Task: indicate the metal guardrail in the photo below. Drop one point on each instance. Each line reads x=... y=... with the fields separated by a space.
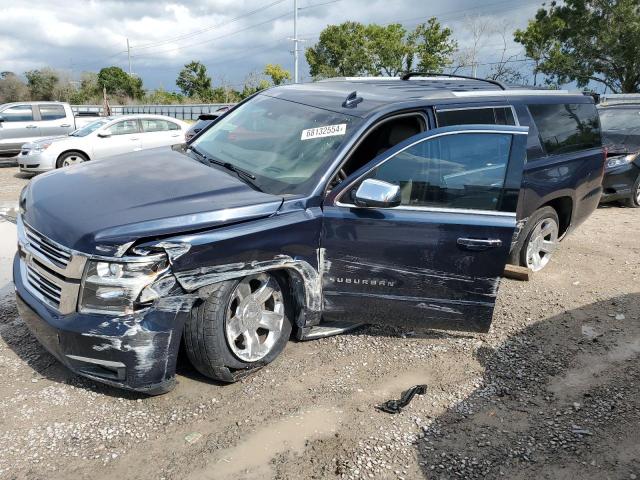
x=620 y=98
x=183 y=112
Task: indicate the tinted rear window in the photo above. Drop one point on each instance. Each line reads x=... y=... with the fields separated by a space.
x=477 y=116
x=51 y=112
x=566 y=128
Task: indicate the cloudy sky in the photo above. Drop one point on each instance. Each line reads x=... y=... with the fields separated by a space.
x=231 y=37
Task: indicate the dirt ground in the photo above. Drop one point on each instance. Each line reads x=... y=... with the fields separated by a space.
x=552 y=392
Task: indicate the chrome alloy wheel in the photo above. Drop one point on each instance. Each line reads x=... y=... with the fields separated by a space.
x=72 y=160
x=637 y=194
x=542 y=243
x=254 y=317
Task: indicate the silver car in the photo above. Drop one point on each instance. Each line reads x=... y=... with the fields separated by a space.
x=23 y=122
x=102 y=138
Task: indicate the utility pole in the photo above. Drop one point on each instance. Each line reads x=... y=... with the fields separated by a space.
x=129 y=56
x=295 y=41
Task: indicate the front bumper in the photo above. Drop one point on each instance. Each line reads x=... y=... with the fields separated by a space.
x=136 y=352
x=618 y=183
x=35 y=162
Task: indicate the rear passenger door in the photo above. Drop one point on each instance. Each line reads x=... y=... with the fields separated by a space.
x=19 y=126
x=121 y=137
x=53 y=120
x=157 y=132
x=436 y=259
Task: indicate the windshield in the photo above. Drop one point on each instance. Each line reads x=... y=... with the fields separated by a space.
x=88 y=128
x=285 y=145
x=620 y=119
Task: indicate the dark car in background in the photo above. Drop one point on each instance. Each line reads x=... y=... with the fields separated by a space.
x=621 y=137
x=204 y=121
x=305 y=210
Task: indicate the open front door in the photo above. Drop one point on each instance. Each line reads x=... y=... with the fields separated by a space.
x=420 y=236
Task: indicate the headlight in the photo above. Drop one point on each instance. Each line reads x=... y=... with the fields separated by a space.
x=621 y=160
x=114 y=287
x=39 y=147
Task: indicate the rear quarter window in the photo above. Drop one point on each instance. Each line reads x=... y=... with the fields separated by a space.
x=567 y=127
x=476 y=116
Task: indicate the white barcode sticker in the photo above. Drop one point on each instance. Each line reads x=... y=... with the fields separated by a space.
x=328 y=131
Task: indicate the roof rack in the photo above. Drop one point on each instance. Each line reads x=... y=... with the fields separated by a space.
x=408 y=75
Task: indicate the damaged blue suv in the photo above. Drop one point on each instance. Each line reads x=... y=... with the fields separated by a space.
x=305 y=210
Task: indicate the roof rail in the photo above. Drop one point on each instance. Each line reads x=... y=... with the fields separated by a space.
x=408 y=75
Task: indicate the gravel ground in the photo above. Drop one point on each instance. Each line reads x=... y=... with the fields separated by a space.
x=551 y=392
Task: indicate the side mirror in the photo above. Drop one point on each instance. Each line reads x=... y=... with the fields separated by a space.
x=376 y=193
x=104 y=134
x=1 y=119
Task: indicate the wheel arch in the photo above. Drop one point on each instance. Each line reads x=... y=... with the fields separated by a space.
x=564 y=208
x=73 y=150
x=301 y=281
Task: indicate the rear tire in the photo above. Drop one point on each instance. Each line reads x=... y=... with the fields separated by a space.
x=538 y=240
x=242 y=326
x=634 y=200
x=70 y=158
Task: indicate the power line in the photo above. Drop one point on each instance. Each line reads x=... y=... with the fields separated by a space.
x=222 y=36
x=450 y=15
x=206 y=29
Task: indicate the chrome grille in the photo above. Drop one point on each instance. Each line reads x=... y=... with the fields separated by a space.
x=48 y=290
x=48 y=249
x=49 y=271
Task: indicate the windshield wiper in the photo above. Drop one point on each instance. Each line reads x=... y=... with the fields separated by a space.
x=198 y=153
x=245 y=175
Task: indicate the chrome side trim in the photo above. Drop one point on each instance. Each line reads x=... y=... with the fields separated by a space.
x=508 y=93
x=464 y=211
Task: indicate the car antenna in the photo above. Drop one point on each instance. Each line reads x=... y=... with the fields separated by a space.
x=352 y=100
x=408 y=75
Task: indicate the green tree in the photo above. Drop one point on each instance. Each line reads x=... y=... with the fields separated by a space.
x=42 y=83
x=277 y=74
x=587 y=41
x=340 y=51
x=432 y=46
x=12 y=88
x=387 y=49
x=160 y=96
x=193 y=81
x=118 y=82
x=253 y=84
x=351 y=49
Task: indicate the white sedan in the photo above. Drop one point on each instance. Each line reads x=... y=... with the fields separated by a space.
x=100 y=139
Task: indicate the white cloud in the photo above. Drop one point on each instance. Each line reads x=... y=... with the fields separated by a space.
x=166 y=34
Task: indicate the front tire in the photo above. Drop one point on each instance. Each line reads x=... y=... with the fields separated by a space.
x=70 y=158
x=243 y=325
x=634 y=200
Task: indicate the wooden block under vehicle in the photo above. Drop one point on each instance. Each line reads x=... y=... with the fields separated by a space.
x=517 y=273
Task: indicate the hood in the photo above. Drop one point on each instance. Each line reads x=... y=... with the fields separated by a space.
x=47 y=140
x=97 y=207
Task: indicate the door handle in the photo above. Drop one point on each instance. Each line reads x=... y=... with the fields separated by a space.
x=478 y=244
x=176 y=135
x=31 y=126
x=134 y=139
x=66 y=125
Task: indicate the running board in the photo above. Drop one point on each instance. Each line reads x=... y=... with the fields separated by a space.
x=326 y=329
